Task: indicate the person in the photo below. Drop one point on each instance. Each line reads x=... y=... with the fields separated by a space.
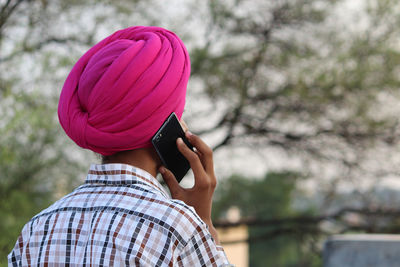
x=113 y=101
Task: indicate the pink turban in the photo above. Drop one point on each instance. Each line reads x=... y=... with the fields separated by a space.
x=120 y=91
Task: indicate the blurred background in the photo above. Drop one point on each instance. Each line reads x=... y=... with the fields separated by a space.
x=299 y=99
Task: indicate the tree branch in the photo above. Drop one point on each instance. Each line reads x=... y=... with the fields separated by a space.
x=42 y=44
x=309 y=225
x=6 y=12
x=303 y=220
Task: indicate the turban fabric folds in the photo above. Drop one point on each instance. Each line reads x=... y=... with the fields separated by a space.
x=122 y=89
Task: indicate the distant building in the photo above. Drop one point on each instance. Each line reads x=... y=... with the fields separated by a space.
x=360 y=250
x=234 y=240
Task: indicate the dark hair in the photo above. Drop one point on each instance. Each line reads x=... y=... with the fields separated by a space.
x=102 y=158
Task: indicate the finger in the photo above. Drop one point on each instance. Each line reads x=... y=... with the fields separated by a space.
x=184 y=126
x=191 y=156
x=171 y=181
x=205 y=152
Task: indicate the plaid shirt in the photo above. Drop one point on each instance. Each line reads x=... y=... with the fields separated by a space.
x=120 y=216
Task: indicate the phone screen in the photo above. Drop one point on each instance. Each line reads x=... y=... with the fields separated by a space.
x=164 y=141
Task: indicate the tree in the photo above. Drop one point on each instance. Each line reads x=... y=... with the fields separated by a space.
x=266 y=199
x=285 y=227
x=38 y=164
x=297 y=76
x=29 y=162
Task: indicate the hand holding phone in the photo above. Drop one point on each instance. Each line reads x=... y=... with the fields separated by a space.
x=164 y=142
x=200 y=195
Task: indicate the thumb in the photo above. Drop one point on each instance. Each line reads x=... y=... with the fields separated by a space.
x=171 y=181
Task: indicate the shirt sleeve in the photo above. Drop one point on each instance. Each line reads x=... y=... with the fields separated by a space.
x=15 y=256
x=201 y=250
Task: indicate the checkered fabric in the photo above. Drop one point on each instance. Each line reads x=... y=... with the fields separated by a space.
x=120 y=216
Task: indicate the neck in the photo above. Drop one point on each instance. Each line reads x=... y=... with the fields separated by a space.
x=143 y=158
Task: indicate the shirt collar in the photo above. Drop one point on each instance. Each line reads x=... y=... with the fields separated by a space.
x=122 y=174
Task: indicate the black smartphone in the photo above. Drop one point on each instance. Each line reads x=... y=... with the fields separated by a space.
x=164 y=141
